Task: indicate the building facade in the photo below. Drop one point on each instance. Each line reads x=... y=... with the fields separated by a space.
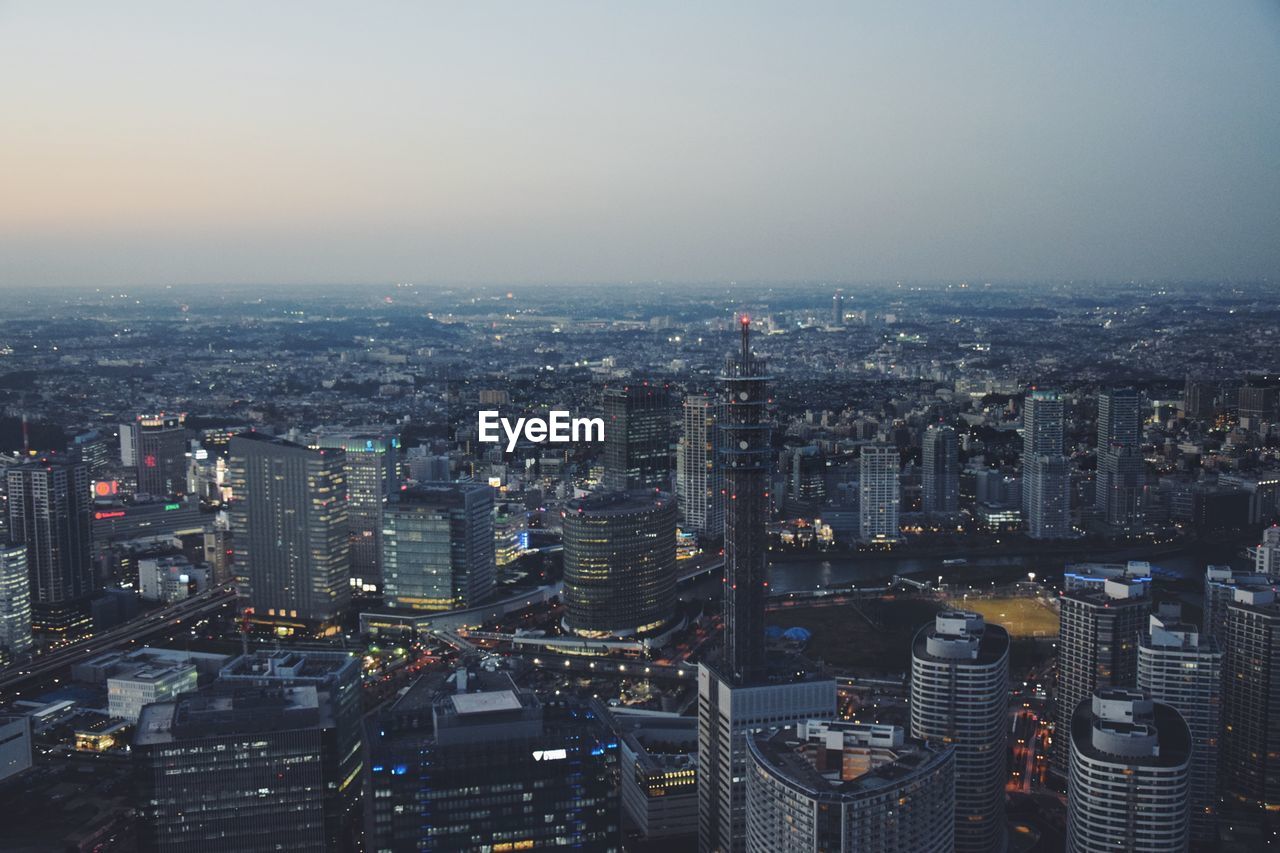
x=699 y=475
x=370 y=468
x=438 y=547
x=940 y=484
x=637 y=438
x=15 y=603
x=879 y=493
x=1045 y=485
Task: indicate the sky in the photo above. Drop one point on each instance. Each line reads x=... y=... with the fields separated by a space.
x=288 y=143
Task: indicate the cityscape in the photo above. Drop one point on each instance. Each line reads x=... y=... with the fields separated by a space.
x=732 y=429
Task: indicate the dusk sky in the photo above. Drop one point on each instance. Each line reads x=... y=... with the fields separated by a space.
x=292 y=143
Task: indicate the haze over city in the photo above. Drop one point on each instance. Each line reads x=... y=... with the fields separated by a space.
x=158 y=143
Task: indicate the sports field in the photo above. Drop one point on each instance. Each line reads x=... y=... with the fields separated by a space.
x=1021 y=617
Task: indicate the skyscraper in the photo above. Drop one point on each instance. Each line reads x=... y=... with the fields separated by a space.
x=837 y=308
x=370 y=469
x=619 y=563
x=15 y=602
x=1128 y=783
x=849 y=786
x=1097 y=647
x=1045 y=486
x=160 y=453
x=737 y=696
x=438 y=546
x=879 y=493
x=1220 y=585
x=1182 y=669
x=289 y=517
x=49 y=513
x=1251 y=703
x=941 y=482
x=637 y=438
x=959 y=696
x=699 y=471
x=1119 y=491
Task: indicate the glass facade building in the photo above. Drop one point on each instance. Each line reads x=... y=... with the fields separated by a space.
x=438 y=547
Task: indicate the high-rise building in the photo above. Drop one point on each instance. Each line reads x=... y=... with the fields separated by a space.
x=1267 y=554
x=1182 y=669
x=940 y=490
x=15 y=603
x=849 y=786
x=488 y=766
x=637 y=438
x=619 y=563
x=1120 y=488
x=1260 y=400
x=438 y=546
x=959 y=696
x=1097 y=647
x=737 y=695
x=1045 y=485
x=370 y=469
x=288 y=511
x=1128 y=783
x=160 y=454
x=837 y=308
x=49 y=513
x=806 y=487
x=1251 y=703
x=1198 y=398
x=879 y=493
x=1220 y=585
x=699 y=472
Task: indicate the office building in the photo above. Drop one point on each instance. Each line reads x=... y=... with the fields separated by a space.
x=15 y=603
x=335 y=679
x=1198 y=399
x=1251 y=703
x=849 y=787
x=1267 y=554
x=1097 y=647
x=120 y=521
x=619 y=563
x=49 y=513
x=1182 y=669
x=15 y=745
x=1045 y=485
x=740 y=693
x=658 y=759
x=370 y=469
x=879 y=493
x=806 y=487
x=168 y=579
x=959 y=696
x=1259 y=401
x=1120 y=488
x=160 y=454
x=637 y=438
x=130 y=687
x=1128 y=783
x=438 y=546
x=480 y=764
x=940 y=484
x=288 y=512
x=699 y=473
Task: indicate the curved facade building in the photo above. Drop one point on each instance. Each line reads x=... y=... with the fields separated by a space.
x=619 y=563
x=959 y=696
x=838 y=786
x=1128 y=783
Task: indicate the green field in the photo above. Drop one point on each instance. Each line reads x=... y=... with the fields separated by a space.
x=1021 y=617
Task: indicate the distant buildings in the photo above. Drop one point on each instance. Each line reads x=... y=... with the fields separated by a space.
x=941 y=473
x=959 y=696
x=438 y=546
x=1097 y=647
x=637 y=438
x=49 y=513
x=488 y=766
x=288 y=513
x=1120 y=489
x=1180 y=668
x=619 y=563
x=15 y=603
x=848 y=786
x=879 y=493
x=699 y=473
x=1045 y=485
x=1128 y=780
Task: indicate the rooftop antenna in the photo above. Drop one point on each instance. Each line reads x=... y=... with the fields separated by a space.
x=746 y=335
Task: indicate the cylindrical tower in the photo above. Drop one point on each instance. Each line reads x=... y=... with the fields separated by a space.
x=619 y=563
